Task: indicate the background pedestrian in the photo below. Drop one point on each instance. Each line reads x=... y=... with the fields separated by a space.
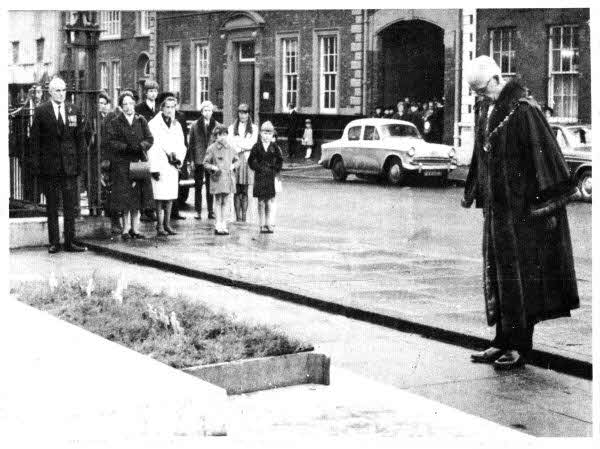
x=307 y=138
x=243 y=134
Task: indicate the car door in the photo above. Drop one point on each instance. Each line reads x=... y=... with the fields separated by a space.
x=352 y=147
x=371 y=147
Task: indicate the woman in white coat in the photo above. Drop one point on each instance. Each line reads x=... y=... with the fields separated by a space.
x=166 y=156
x=243 y=134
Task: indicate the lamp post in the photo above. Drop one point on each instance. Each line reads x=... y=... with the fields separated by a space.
x=82 y=37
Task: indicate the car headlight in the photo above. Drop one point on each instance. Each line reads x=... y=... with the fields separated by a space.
x=452 y=153
x=411 y=151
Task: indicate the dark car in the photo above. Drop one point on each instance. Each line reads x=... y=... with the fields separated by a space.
x=576 y=144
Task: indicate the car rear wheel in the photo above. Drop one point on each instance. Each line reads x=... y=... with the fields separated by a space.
x=339 y=170
x=584 y=182
x=394 y=172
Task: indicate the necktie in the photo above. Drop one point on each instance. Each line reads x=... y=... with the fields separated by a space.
x=61 y=123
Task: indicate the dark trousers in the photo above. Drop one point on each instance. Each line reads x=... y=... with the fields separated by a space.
x=201 y=175
x=291 y=146
x=517 y=338
x=54 y=186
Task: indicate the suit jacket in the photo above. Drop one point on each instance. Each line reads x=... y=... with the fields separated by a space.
x=144 y=110
x=55 y=153
x=200 y=139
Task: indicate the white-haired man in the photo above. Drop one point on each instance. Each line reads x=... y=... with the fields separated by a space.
x=520 y=179
x=57 y=149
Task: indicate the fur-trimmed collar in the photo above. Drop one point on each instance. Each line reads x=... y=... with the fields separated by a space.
x=506 y=102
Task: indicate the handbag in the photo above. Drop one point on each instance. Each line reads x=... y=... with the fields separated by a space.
x=139 y=171
x=278 y=184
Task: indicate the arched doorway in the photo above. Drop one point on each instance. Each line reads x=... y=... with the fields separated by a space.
x=142 y=72
x=413 y=61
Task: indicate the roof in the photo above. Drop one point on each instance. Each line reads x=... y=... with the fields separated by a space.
x=378 y=121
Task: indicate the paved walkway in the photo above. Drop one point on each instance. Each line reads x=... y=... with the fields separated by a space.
x=367 y=397
x=438 y=296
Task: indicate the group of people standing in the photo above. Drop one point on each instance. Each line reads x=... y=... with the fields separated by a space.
x=428 y=116
x=227 y=160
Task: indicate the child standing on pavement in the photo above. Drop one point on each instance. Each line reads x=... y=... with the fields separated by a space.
x=221 y=160
x=307 y=138
x=266 y=160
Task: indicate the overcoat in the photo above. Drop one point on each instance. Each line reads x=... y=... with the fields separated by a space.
x=243 y=141
x=200 y=139
x=266 y=165
x=128 y=143
x=529 y=274
x=167 y=140
x=221 y=156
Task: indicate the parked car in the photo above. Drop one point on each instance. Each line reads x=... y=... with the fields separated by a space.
x=388 y=148
x=576 y=144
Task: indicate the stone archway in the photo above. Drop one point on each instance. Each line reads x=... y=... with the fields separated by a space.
x=142 y=72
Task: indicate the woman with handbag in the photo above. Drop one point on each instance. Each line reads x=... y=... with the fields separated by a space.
x=129 y=138
x=166 y=156
x=266 y=160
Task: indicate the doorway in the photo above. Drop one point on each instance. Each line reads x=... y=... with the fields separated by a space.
x=245 y=79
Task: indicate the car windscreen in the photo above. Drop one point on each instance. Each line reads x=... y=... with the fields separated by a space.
x=580 y=135
x=399 y=130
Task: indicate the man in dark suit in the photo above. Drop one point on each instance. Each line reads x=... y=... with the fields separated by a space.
x=58 y=148
x=200 y=138
x=292 y=131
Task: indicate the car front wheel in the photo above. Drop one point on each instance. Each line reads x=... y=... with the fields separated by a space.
x=584 y=182
x=394 y=173
x=339 y=170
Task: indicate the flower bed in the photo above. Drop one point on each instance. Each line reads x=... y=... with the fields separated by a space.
x=174 y=330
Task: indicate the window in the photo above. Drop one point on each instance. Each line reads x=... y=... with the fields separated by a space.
x=397 y=130
x=104 y=76
x=116 y=79
x=15 y=52
x=354 y=133
x=202 y=73
x=371 y=133
x=146 y=70
x=290 y=72
x=563 y=86
x=173 y=67
x=39 y=47
x=144 y=22
x=247 y=52
x=328 y=73
x=502 y=50
x=110 y=23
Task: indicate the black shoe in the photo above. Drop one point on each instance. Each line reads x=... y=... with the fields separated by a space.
x=270 y=230
x=211 y=216
x=509 y=360
x=53 y=249
x=170 y=231
x=137 y=235
x=74 y=248
x=198 y=216
x=161 y=233
x=488 y=356
x=264 y=230
x=177 y=217
x=126 y=236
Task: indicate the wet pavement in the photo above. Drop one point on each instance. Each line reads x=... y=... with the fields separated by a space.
x=412 y=255
x=373 y=370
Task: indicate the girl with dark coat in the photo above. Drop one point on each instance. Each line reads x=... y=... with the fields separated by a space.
x=266 y=160
x=129 y=139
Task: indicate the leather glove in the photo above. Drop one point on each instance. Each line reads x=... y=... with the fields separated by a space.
x=155 y=175
x=466 y=203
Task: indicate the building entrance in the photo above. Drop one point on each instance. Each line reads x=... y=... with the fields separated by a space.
x=413 y=61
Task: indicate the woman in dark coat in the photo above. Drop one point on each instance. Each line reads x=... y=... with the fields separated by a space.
x=266 y=160
x=129 y=139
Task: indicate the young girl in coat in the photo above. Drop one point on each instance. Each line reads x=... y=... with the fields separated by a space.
x=266 y=160
x=307 y=138
x=221 y=160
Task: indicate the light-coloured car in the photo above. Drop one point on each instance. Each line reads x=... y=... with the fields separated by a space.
x=387 y=148
x=576 y=144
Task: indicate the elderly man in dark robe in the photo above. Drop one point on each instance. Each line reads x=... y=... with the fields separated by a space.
x=520 y=179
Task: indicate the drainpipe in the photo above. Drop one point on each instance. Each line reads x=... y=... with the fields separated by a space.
x=364 y=64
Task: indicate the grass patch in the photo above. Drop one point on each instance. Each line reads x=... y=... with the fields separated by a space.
x=177 y=331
